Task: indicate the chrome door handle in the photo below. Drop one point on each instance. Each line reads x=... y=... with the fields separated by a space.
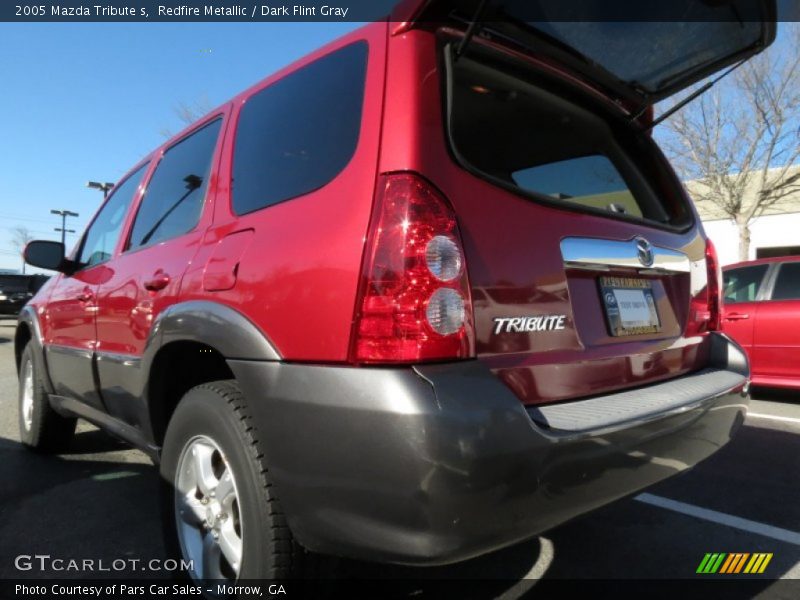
x=736 y=316
x=159 y=281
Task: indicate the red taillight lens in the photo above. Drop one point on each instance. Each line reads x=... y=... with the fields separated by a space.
x=414 y=303
x=714 y=288
x=706 y=304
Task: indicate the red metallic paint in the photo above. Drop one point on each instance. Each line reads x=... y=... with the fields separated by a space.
x=298 y=278
x=776 y=343
x=69 y=322
x=126 y=307
x=768 y=331
x=514 y=261
x=298 y=274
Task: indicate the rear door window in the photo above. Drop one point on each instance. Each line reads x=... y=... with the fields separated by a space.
x=787 y=284
x=742 y=285
x=174 y=198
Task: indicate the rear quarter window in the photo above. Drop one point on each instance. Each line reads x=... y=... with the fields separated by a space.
x=299 y=133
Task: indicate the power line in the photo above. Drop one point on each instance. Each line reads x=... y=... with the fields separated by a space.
x=18 y=218
x=40 y=232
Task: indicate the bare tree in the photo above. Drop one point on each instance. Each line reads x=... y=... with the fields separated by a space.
x=20 y=236
x=739 y=144
x=188 y=113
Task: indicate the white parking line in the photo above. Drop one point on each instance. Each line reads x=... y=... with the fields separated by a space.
x=773 y=417
x=776 y=533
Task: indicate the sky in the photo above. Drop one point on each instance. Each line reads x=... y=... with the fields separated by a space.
x=87 y=101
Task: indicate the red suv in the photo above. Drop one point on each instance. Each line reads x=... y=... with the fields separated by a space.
x=762 y=313
x=418 y=296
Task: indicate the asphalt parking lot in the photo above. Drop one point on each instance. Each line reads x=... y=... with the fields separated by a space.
x=100 y=501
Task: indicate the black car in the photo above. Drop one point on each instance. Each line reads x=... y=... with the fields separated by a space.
x=16 y=290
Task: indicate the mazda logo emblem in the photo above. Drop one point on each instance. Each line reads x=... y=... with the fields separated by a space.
x=644 y=251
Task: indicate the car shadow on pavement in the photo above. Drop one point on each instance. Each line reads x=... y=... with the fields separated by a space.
x=506 y=573
x=4 y=340
x=76 y=508
x=93 y=441
x=775 y=394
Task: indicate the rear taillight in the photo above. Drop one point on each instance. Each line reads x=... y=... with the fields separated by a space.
x=706 y=304
x=714 y=287
x=414 y=302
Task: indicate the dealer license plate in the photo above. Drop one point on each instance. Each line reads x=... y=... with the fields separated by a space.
x=630 y=306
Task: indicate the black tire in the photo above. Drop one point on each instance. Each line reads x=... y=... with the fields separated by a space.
x=217 y=411
x=46 y=431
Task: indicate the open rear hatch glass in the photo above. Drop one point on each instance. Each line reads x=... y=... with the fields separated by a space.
x=638 y=52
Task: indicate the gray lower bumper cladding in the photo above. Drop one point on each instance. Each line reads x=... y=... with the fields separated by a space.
x=439 y=463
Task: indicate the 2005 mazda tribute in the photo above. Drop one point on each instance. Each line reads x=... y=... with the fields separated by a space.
x=423 y=294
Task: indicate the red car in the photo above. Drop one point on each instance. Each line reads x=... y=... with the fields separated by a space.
x=762 y=313
x=418 y=296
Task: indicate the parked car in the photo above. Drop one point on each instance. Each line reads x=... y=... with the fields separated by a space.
x=277 y=304
x=16 y=290
x=762 y=313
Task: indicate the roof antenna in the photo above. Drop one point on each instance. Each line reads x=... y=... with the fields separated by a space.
x=474 y=27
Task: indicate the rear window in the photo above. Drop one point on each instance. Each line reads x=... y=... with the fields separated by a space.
x=296 y=135
x=22 y=283
x=535 y=142
x=586 y=180
x=8 y=283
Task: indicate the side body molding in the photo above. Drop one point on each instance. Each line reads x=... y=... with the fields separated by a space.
x=123 y=380
x=214 y=324
x=224 y=328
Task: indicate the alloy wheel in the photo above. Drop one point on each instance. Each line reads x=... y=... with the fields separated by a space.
x=207 y=511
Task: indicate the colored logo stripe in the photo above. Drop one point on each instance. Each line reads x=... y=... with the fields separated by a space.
x=722 y=562
x=758 y=563
x=734 y=563
x=711 y=562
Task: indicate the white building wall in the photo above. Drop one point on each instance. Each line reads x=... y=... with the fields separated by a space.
x=765 y=232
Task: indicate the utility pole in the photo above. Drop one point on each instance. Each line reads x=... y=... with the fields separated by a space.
x=63 y=229
x=103 y=187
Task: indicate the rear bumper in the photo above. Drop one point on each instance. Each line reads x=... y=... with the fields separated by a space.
x=441 y=463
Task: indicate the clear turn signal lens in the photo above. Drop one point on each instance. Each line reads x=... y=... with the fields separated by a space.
x=445 y=311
